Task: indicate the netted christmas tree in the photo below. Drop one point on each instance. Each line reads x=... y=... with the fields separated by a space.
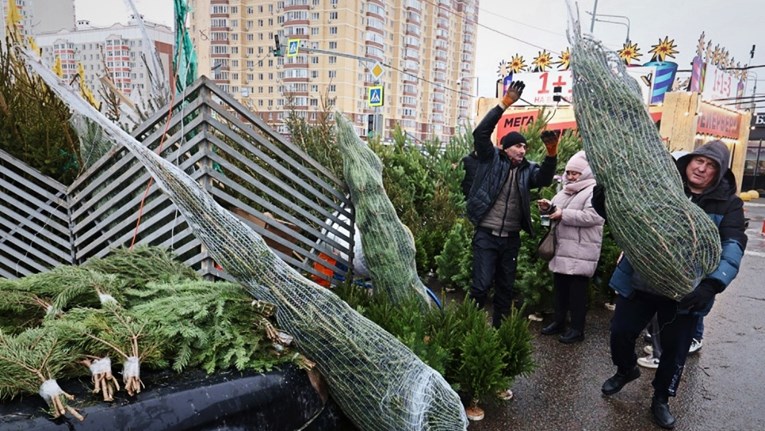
x=378 y=382
x=388 y=244
x=670 y=241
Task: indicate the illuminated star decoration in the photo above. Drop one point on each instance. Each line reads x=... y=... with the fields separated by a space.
x=665 y=48
x=543 y=61
x=504 y=69
x=517 y=64
x=564 y=60
x=629 y=52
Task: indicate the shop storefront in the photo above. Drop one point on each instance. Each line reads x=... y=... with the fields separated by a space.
x=754 y=167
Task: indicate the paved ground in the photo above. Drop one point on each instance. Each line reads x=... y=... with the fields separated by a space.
x=723 y=386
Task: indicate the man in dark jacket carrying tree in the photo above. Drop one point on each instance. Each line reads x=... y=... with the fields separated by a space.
x=711 y=185
x=499 y=204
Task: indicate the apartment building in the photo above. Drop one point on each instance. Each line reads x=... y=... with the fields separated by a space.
x=426 y=49
x=41 y=16
x=115 y=51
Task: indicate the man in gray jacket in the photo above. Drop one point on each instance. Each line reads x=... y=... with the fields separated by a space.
x=499 y=204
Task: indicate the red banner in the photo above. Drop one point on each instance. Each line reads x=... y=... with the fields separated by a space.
x=718 y=121
x=513 y=121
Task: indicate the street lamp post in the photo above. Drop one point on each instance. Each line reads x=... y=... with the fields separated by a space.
x=626 y=24
x=594 y=12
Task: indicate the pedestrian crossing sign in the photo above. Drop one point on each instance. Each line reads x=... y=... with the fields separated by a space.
x=375 y=96
x=293 y=45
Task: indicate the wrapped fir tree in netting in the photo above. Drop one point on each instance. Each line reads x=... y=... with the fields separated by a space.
x=670 y=241
x=388 y=244
x=377 y=381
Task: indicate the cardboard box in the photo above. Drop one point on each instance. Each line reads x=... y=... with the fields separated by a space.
x=268 y=224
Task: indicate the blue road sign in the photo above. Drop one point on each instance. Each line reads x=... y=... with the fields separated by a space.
x=375 y=96
x=293 y=45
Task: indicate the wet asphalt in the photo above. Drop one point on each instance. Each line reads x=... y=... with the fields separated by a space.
x=722 y=388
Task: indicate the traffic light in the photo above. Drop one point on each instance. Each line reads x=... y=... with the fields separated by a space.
x=370 y=125
x=557 y=93
x=277 y=47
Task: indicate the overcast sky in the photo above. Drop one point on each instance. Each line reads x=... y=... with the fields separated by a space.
x=508 y=27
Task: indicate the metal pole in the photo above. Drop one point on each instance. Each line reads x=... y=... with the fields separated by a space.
x=756 y=165
x=594 y=12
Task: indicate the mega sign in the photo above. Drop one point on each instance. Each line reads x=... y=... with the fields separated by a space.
x=542 y=87
x=718 y=122
x=515 y=120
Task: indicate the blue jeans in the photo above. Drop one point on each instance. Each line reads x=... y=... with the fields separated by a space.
x=631 y=316
x=495 y=259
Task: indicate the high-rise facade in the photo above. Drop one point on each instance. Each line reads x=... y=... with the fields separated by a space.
x=42 y=16
x=426 y=50
x=114 y=51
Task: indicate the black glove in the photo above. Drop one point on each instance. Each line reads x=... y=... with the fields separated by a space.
x=701 y=296
x=513 y=93
x=599 y=200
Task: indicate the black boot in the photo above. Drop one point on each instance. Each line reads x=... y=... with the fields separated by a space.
x=661 y=414
x=553 y=328
x=572 y=336
x=617 y=382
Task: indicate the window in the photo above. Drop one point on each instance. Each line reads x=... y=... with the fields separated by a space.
x=333 y=15
x=333 y=45
x=332 y=73
x=332 y=59
x=333 y=30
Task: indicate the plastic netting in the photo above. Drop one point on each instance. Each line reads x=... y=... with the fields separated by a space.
x=669 y=241
x=378 y=382
x=388 y=244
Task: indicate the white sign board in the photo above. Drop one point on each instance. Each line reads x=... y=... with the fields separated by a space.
x=541 y=87
x=718 y=84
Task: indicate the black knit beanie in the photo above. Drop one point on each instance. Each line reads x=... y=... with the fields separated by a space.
x=511 y=139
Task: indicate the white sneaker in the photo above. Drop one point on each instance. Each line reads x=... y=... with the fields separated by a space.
x=609 y=306
x=648 y=362
x=695 y=346
x=648 y=350
x=536 y=317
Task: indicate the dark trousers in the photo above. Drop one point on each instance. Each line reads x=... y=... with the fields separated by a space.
x=676 y=332
x=494 y=259
x=571 y=295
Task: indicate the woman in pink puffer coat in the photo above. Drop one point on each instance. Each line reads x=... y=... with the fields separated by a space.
x=579 y=235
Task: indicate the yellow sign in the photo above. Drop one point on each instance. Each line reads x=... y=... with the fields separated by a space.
x=377 y=70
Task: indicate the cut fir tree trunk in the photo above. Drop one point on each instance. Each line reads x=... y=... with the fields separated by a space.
x=29 y=363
